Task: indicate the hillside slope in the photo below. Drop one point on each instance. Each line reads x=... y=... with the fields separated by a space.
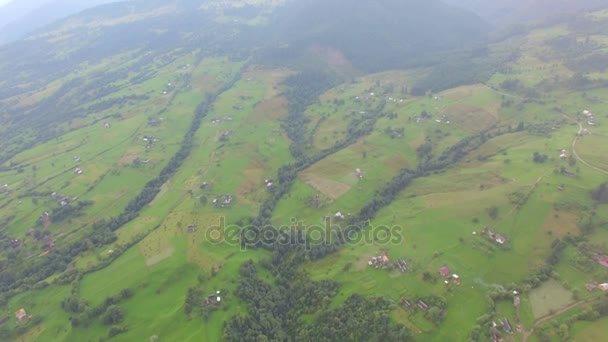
x=379 y=35
x=19 y=18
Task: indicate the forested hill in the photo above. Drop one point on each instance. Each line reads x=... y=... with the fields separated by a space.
x=379 y=34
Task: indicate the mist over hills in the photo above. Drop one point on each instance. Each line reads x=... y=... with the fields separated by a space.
x=21 y=17
x=506 y=12
x=379 y=35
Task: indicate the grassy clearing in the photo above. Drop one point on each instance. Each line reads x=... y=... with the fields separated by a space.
x=549 y=297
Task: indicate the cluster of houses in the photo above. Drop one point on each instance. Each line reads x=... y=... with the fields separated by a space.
x=219 y=120
x=494 y=236
x=213 y=299
x=369 y=96
x=590 y=117
x=150 y=140
x=595 y=286
x=222 y=200
x=444 y=119
x=62 y=200
x=382 y=261
x=168 y=88
x=448 y=276
x=379 y=261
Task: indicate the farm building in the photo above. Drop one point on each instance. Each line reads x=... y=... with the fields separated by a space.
x=494 y=236
x=591 y=286
x=21 y=315
x=601 y=259
x=506 y=325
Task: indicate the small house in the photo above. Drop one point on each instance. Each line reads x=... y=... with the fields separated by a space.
x=21 y=315
x=603 y=287
x=444 y=271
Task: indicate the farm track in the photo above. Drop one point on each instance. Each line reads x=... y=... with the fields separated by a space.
x=517 y=206
x=541 y=320
x=579 y=133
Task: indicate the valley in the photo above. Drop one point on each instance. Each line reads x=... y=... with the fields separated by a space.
x=193 y=183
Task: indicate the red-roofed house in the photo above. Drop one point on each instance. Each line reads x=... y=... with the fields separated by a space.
x=385 y=259
x=444 y=271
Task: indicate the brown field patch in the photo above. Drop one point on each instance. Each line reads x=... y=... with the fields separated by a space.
x=470 y=118
x=421 y=139
x=396 y=162
x=252 y=178
x=561 y=223
x=272 y=109
x=331 y=56
x=272 y=78
x=462 y=92
x=330 y=188
x=128 y=158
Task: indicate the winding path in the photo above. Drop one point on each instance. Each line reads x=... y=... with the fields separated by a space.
x=579 y=133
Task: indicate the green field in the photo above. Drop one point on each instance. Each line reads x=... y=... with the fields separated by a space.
x=176 y=142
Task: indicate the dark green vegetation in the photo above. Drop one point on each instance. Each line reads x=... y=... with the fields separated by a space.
x=131 y=132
